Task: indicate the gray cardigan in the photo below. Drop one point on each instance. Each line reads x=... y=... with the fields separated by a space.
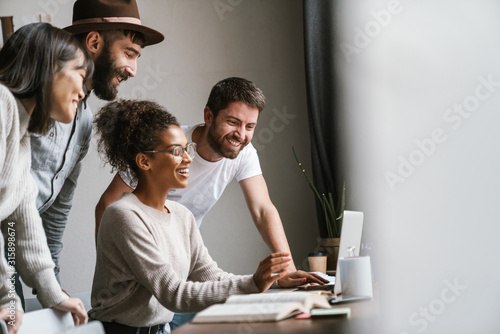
x=22 y=229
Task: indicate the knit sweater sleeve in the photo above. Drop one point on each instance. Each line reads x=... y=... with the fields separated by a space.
x=33 y=259
x=8 y=122
x=8 y=296
x=21 y=223
x=139 y=249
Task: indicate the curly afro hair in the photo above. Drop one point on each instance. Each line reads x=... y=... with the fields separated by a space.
x=128 y=127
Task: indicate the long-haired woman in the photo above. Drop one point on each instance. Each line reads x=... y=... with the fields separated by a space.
x=42 y=70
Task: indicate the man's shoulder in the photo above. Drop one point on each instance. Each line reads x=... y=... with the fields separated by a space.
x=188 y=130
x=247 y=154
x=84 y=119
x=247 y=157
x=84 y=112
x=249 y=149
x=247 y=163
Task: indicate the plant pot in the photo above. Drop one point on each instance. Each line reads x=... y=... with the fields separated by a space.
x=331 y=247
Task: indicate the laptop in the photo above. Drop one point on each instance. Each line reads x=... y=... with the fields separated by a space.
x=350 y=237
x=350 y=244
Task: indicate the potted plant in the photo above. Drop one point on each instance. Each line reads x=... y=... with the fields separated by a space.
x=333 y=215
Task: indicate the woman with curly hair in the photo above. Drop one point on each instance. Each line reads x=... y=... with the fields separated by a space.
x=42 y=69
x=151 y=260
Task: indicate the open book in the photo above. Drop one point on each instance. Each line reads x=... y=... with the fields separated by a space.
x=262 y=307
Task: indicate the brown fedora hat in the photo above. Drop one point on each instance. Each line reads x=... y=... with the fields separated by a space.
x=89 y=15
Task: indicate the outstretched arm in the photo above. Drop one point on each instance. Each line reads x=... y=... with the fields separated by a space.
x=265 y=215
x=114 y=191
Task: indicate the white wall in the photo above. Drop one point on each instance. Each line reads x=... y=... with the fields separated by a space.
x=258 y=40
x=433 y=228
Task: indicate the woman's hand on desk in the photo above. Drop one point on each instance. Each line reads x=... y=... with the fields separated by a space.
x=300 y=277
x=265 y=275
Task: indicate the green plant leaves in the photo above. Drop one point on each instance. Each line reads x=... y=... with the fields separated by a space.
x=333 y=221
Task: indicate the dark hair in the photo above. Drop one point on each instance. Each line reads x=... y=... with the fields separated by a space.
x=29 y=61
x=128 y=127
x=235 y=90
x=111 y=35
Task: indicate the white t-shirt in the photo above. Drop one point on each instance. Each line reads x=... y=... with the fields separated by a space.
x=207 y=180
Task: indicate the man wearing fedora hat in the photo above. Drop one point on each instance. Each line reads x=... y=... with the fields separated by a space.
x=112 y=33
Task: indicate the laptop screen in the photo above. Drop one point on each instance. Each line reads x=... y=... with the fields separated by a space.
x=350 y=236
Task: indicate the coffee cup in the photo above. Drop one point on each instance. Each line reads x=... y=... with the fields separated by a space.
x=356 y=276
x=317 y=262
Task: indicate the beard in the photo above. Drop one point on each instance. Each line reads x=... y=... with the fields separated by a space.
x=105 y=70
x=221 y=147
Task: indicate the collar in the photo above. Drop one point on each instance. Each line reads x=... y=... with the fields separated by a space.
x=87 y=94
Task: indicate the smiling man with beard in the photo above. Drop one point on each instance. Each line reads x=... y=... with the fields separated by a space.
x=224 y=153
x=112 y=33
x=111 y=68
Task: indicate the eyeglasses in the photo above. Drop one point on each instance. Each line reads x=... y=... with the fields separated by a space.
x=178 y=151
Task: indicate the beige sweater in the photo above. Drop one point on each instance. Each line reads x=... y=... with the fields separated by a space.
x=20 y=221
x=151 y=264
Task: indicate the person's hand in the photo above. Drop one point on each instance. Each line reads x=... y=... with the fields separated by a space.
x=75 y=306
x=264 y=277
x=300 y=277
x=15 y=319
